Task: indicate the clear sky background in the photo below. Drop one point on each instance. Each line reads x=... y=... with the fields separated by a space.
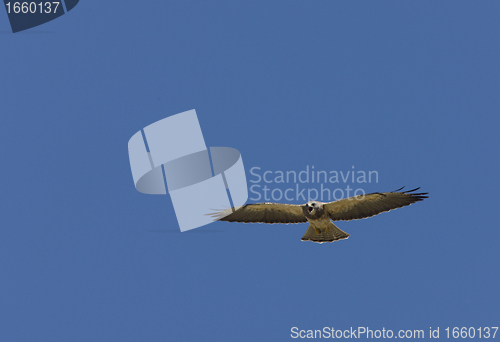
x=409 y=89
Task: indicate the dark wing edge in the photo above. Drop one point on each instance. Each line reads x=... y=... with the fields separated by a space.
x=359 y=207
x=262 y=213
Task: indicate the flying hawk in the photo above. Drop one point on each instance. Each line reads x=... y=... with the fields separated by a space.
x=320 y=215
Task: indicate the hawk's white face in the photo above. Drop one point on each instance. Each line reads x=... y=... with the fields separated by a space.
x=312 y=207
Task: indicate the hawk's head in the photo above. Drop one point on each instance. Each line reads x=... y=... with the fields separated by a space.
x=312 y=207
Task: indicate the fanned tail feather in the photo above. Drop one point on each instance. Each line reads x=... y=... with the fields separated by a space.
x=330 y=234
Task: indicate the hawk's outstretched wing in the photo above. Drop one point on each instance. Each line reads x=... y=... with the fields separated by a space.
x=264 y=213
x=359 y=207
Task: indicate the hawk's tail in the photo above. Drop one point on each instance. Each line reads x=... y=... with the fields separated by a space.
x=330 y=234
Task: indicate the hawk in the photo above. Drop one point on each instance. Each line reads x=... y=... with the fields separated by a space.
x=320 y=215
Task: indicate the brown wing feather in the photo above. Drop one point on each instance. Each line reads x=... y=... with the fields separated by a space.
x=263 y=213
x=359 y=207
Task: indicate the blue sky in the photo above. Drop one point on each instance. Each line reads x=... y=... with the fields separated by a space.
x=409 y=89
